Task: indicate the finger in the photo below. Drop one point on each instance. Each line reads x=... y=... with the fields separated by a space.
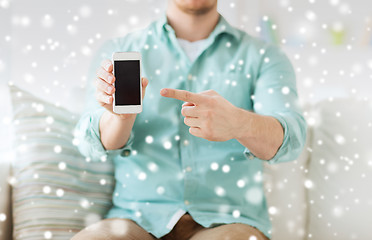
x=190 y=111
x=192 y=122
x=209 y=93
x=104 y=75
x=188 y=104
x=107 y=65
x=182 y=95
x=145 y=82
x=103 y=98
x=195 y=131
x=104 y=86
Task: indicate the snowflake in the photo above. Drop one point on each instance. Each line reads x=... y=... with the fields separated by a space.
x=2 y=217
x=57 y=149
x=240 y=183
x=225 y=168
x=311 y=16
x=160 y=190
x=62 y=166
x=49 y=120
x=273 y=210
x=84 y=203
x=167 y=145
x=214 y=166
x=138 y=214
x=152 y=167
x=236 y=213
x=220 y=191
x=71 y=29
x=337 y=211
x=149 y=139
x=47 y=21
x=12 y=180
x=60 y=192
x=48 y=235
x=142 y=176
x=133 y=20
x=285 y=90
x=308 y=184
x=102 y=181
x=85 y=50
x=339 y=139
x=85 y=11
x=46 y=189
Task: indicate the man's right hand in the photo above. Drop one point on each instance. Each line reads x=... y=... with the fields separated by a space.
x=105 y=87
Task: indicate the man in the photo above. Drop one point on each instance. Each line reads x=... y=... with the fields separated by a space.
x=219 y=104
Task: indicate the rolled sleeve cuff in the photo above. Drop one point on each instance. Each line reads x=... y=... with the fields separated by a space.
x=93 y=138
x=283 y=148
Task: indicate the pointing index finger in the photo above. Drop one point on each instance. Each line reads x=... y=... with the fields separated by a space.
x=182 y=95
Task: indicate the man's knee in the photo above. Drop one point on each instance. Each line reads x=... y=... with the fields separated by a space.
x=239 y=231
x=108 y=229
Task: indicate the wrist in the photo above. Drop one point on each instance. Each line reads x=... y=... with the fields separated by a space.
x=120 y=117
x=242 y=129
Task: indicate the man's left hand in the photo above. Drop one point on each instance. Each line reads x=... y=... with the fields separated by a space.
x=208 y=114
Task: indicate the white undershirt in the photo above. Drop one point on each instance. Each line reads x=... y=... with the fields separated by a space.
x=192 y=49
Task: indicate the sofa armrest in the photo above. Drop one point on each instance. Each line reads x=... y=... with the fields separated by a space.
x=287 y=197
x=5 y=201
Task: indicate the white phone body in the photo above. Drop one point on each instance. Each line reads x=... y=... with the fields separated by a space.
x=128 y=86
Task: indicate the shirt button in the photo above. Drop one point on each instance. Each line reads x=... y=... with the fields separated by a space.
x=189 y=77
x=126 y=152
x=186 y=142
x=187 y=202
x=188 y=169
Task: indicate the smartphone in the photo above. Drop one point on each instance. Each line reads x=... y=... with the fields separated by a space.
x=128 y=86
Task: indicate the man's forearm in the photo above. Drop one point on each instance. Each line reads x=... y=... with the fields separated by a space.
x=262 y=135
x=115 y=130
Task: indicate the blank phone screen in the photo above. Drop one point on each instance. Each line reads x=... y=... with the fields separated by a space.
x=127 y=83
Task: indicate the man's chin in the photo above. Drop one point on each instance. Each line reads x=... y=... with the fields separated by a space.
x=201 y=10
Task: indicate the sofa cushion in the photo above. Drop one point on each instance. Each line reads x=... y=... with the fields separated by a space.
x=56 y=191
x=340 y=171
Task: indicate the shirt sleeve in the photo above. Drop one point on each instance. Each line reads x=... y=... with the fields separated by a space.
x=87 y=129
x=276 y=95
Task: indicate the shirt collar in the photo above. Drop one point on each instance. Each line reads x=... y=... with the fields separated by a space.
x=222 y=27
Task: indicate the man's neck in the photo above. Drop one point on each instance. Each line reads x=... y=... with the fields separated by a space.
x=192 y=27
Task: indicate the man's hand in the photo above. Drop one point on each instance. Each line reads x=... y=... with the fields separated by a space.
x=114 y=128
x=208 y=114
x=105 y=88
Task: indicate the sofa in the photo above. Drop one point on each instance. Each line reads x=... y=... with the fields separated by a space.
x=324 y=194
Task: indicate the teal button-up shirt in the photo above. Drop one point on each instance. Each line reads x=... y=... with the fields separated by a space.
x=163 y=171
